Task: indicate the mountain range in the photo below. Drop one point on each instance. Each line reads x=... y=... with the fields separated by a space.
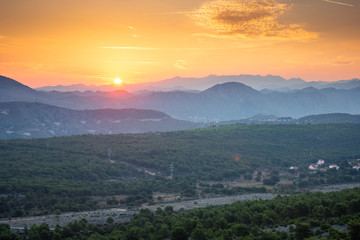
x=265 y=83
x=221 y=102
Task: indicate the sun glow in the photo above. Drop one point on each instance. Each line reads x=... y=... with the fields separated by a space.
x=117 y=81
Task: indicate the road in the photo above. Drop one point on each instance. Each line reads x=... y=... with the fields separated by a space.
x=123 y=215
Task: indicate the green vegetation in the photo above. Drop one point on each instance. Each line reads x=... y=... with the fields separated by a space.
x=38 y=176
x=309 y=215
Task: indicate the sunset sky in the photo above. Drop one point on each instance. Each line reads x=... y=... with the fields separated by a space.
x=51 y=42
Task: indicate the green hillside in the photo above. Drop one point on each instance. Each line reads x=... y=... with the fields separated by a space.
x=65 y=172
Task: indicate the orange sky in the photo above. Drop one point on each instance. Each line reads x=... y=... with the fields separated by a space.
x=45 y=42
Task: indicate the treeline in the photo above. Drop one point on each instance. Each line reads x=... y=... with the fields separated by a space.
x=42 y=175
x=311 y=215
x=346 y=174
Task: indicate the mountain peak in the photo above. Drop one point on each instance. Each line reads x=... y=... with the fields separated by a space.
x=231 y=87
x=11 y=90
x=8 y=83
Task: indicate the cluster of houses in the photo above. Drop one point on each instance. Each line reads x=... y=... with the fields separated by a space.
x=357 y=167
x=320 y=166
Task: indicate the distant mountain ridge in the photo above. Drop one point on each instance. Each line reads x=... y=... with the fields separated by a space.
x=258 y=82
x=222 y=102
x=34 y=120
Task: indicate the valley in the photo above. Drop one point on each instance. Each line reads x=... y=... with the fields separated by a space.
x=41 y=176
x=105 y=168
x=123 y=215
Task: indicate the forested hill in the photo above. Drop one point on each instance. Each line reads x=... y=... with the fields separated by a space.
x=330 y=118
x=34 y=120
x=64 y=172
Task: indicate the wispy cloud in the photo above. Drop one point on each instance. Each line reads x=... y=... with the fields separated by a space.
x=132 y=28
x=132 y=48
x=248 y=18
x=163 y=49
x=30 y=65
x=135 y=62
x=339 y=3
x=2 y=42
x=342 y=63
x=181 y=64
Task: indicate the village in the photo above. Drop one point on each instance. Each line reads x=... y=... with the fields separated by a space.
x=320 y=166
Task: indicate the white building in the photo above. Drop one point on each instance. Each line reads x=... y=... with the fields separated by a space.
x=334 y=166
x=320 y=162
x=312 y=167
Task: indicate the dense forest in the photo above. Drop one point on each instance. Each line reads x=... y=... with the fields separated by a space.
x=307 y=216
x=39 y=176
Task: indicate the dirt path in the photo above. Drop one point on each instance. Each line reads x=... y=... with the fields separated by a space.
x=124 y=215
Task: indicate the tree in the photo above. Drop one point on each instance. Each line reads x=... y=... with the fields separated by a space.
x=169 y=210
x=354 y=229
x=57 y=214
x=269 y=181
x=198 y=233
x=6 y=234
x=303 y=231
x=318 y=211
x=240 y=229
x=179 y=233
x=110 y=220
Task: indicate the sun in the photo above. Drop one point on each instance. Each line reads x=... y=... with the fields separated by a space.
x=117 y=81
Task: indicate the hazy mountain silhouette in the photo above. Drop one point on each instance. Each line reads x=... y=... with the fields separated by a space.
x=227 y=101
x=11 y=90
x=268 y=82
x=29 y=120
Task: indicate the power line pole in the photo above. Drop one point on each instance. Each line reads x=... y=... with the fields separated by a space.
x=171 y=170
x=297 y=182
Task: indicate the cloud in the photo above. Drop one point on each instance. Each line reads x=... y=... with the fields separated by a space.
x=3 y=42
x=132 y=48
x=248 y=18
x=30 y=65
x=161 y=49
x=342 y=63
x=339 y=3
x=134 y=62
x=181 y=64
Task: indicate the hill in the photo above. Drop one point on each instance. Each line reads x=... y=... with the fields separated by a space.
x=67 y=173
x=11 y=90
x=34 y=120
x=330 y=118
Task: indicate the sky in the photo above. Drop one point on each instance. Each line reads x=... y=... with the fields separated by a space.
x=67 y=42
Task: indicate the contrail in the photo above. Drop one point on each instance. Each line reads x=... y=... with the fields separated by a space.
x=132 y=48
x=339 y=3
